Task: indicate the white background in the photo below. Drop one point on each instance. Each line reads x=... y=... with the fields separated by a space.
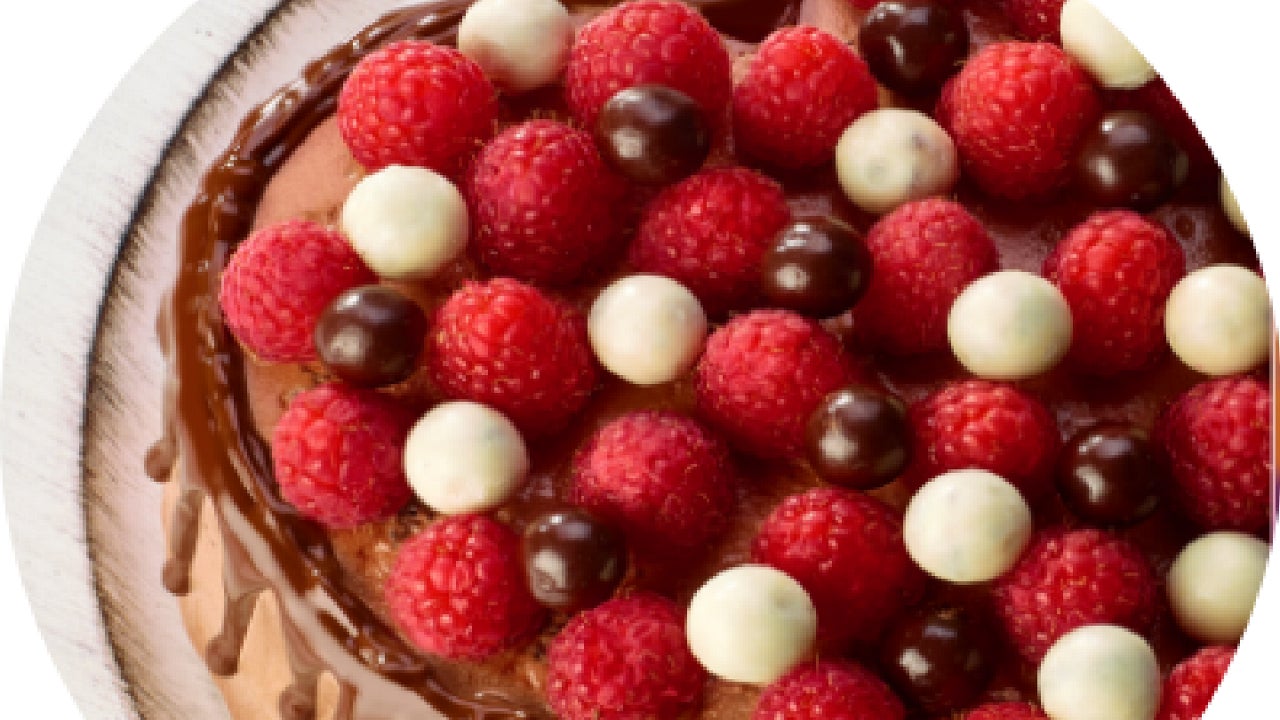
x=61 y=61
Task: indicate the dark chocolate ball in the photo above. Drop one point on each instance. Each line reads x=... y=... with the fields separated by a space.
x=859 y=438
x=816 y=267
x=573 y=561
x=653 y=134
x=371 y=336
x=1110 y=475
x=940 y=660
x=913 y=46
x=1129 y=160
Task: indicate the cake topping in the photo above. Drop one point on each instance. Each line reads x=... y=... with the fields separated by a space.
x=520 y=44
x=1192 y=683
x=817 y=267
x=1036 y=19
x=371 y=336
x=913 y=46
x=892 y=156
x=653 y=134
x=966 y=526
x=462 y=457
x=1129 y=159
x=573 y=560
x=1009 y=325
x=1218 y=320
x=1231 y=206
x=859 y=438
x=751 y=624
x=1110 y=475
x=1108 y=55
x=1213 y=585
x=940 y=660
x=1006 y=710
x=406 y=223
x=830 y=690
x=647 y=329
x=1113 y=667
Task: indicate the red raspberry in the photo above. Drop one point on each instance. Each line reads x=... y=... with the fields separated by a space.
x=1016 y=112
x=278 y=283
x=1036 y=19
x=1005 y=711
x=1218 y=440
x=710 y=232
x=457 y=589
x=829 y=690
x=624 y=660
x=846 y=549
x=659 y=476
x=506 y=345
x=763 y=374
x=987 y=425
x=647 y=42
x=415 y=103
x=1116 y=270
x=544 y=206
x=1068 y=579
x=337 y=453
x=924 y=254
x=1193 y=682
x=775 y=114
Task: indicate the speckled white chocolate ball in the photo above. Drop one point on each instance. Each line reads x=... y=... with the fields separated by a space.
x=520 y=44
x=1100 y=672
x=1009 y=325
x=647 y=329
x=1089 y=37
x=891 y=156
x=1213 y=584
x=463 y=457
x=751 y=624
x=406 y=222
x=1231 y=206
x=1218 y=320
x=966 y=526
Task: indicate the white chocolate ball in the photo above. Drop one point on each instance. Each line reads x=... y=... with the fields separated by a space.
x=647 y=329
x=1214 y=583
x=890 y=156
x=1089 y=37
x=406 y=222
x=1218 y=320
x=1100 y=672
x=520 y=44
x=751 y=624
x=1231 y=206
x=967 y=526
x=463 y=457
x=1009 y=325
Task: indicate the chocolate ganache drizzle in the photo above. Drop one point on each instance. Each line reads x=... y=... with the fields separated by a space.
x=211 y=449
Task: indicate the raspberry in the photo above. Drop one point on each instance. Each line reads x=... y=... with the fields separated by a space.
x=775 y=116
x=1036 y=19
x=1005 y=711
x=1192 y=683
x=506 y=345
x=1116 y=270
x=1016 y=112
x=647 y=42
x=457 y=589
x=987 y=425
x=415 y=103
x=763 y=374
x=924 y=254
x=624 y=660
x=829 y=690
x=659 y=476
x=846 y=549
x=278 y=283
x=710 y=232
x=1068 y=579
x=1218 y=442
x=337 y=455
x=543 y=204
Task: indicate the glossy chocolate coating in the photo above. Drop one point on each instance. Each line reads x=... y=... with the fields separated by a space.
x=653 y=134
x=859 y=438
x=371 y=336
x=816 y=267
x=940 y=660
x=1129 y=159
x=1110 y=475
x=913 y=46
x=573 y=561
